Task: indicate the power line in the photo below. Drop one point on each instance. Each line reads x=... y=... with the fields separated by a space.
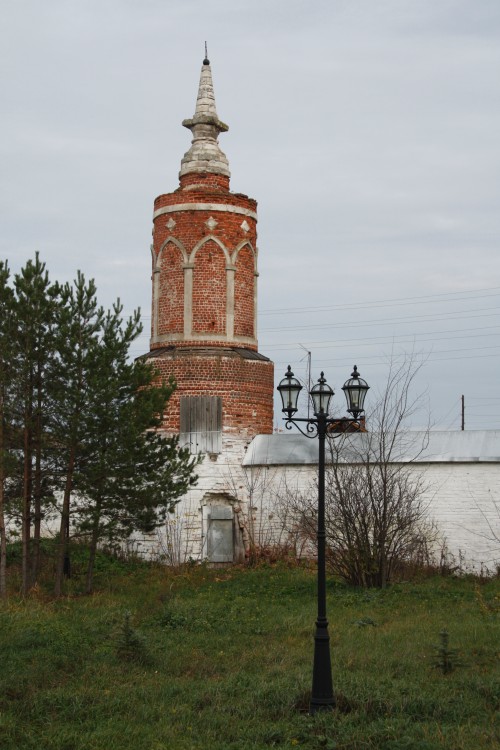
x=371 y=341
x=367 y=360
x=402 y=319
x=390 y=302
x=396 y=339
x=378 y=321
x=483 y=398
x=398 y=301
x=430 y=352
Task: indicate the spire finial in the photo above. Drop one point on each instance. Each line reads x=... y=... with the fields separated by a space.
x=205 y=154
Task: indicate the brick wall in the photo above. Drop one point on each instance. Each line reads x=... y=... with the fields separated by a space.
x=203 y=329
x=209 y=290
x=171 y=302
x=244 y=289
x=205 y=181
x=245 y=386
x=206 y=259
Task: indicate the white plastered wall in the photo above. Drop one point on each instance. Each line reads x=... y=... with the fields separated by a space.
x=463 y=499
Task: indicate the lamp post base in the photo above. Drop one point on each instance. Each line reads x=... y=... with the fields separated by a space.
x=322 y=698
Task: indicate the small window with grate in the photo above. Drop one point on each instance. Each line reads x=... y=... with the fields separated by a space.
x=201 y=423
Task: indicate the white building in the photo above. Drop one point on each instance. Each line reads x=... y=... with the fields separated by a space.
x=238 y=501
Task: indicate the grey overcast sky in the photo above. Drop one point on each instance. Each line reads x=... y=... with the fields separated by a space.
x=368 y=131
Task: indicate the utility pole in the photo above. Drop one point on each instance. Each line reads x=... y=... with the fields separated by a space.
x=463 y=412
x=309 y=383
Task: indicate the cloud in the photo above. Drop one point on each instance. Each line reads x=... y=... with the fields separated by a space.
x=368 y=133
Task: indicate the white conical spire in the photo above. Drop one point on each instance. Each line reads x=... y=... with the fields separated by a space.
x=205 y=154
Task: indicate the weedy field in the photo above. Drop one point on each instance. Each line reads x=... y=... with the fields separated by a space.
x=200 y=659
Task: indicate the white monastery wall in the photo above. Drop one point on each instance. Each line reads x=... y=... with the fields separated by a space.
x=220 y=482
x=463 y=499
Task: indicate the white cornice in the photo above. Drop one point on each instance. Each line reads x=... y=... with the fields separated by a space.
x=205 y=207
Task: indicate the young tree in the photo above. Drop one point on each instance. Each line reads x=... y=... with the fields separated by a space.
x=8 y=462
x=35 y=311
x=79 y=324
x=130 y=475
x=78 y=418
x=266 y=534
x=375 y=507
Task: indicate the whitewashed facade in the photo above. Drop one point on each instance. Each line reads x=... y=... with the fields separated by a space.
x=237 y=502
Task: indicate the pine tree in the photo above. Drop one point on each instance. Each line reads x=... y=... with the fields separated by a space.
x=78 y=419
x=79 y=323
x=8 y=463
x=35 y=309
x=129 y=475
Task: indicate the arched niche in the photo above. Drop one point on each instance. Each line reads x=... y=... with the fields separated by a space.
x=209 y=293
x=244 y=291
x=170 y=292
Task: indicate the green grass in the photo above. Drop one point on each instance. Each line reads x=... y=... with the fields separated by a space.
x=221 y=660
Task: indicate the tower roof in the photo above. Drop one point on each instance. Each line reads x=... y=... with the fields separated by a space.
x=205 y=154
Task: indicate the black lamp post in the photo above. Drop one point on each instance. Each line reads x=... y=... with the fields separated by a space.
x=355 y=391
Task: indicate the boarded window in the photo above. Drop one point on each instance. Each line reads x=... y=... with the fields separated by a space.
x=201 y=423
x=220 y=534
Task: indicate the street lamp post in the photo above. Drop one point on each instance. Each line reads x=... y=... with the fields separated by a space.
x=355 y=389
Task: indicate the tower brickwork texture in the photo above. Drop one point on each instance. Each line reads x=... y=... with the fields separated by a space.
x=204 y=297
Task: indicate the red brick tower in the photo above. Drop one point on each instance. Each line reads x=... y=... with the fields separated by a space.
x=204 y=321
